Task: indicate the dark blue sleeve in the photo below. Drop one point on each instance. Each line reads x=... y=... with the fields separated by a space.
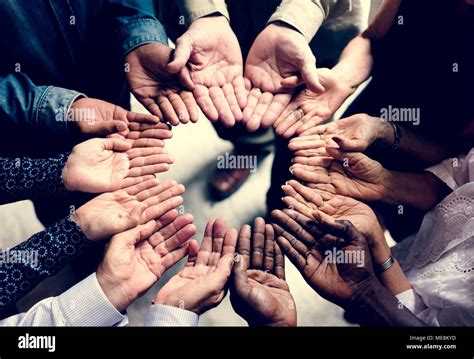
x=29 y=178
x=43 y=255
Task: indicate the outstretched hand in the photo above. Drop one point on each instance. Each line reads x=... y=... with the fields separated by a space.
x=211 y=52
x=108 y=164
x=259 y=292
x=200 y=286
x=135 y=259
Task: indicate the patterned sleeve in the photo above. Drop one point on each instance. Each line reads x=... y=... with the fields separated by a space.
x=44 y=254
x=29 y=178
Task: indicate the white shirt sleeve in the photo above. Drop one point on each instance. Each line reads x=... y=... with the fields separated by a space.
x=85 y=304
x=159 y=315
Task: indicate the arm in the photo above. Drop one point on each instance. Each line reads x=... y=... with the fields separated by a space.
x=192 y=9
x=27 y=178
x=24 y=105
x=42 y=255
x=85 y=304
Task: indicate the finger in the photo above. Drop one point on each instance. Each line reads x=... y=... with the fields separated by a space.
x=179 y=107
x=258 y=243
x=290 y=191
x=268 y=257
x=185 y=79
x=231 y=99
x=170 y=230
x=116 y=144
x=143 y=161
x=307 y=193
x=149 y=191
x=309 y=176
x=135 y=152
x=285 y=220
x=162 y=196
x=356 y=145
x=263 y=103
x=143 y=186
x=297 y=206
x=230 y=241
x=289 y=245
x=191 y=105
x=158 y=210
x=285 y=122
x=193 y=250
x=151 y=105
x=222 y=273
x=140 y=171
x=318 y=161
x=307 y=223
x=252 y=101
x=174 y=257
x=168 y=111
x=147 y=142
x=142 y=118
x=279 y=268
x=160 y=134
x=181 y=54
x=305 y=143
x=310 y=122
x=243 y=245
x=240 y=91
x=222 y=106
x=309 y=74
x=203 y=99
x=218 y=233
x=182 y=235
x=291 y=81
x=277 y=106
x=166 y=219
x=315 y=130
x=131 y=181
x=206 y=245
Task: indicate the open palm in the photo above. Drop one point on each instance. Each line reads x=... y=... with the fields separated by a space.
x=259 y=292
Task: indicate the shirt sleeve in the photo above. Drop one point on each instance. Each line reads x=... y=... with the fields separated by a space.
x=159 y=315
x=30 y=178
x=455 y=172
x=194 y=9
x=41 y=256
x=85 y=304
x=134 y=23
x=23 y=105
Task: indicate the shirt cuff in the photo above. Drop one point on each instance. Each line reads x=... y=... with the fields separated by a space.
x=86 y=305
x=411 y=301
x=193 y=10
x=305 y=16
x=138 y=32
x=52 y=111
x=167 y=316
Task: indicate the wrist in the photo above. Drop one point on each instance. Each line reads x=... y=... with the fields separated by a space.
x=389 y=183
x=115 y=292
x=385 y=132
x=364 y=293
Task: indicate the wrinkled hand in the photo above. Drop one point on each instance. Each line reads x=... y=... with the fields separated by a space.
x=200 y=286
x=259 y=292
x=354 y=133
x=211 y=52
x=309 y=201
x=161 y=92
x=309 y=244
x=309 y=109
x=93 y=118
x=134 y=260
x=115 y=212
x=350 y=174
x=108 y=164
x=279 y=60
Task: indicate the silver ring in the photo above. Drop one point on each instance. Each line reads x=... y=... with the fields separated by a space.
x=300 y=111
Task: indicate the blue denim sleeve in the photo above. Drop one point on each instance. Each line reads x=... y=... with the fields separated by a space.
x=29 y=178
x=23 y=105
x=41 y=256
x=134 y=23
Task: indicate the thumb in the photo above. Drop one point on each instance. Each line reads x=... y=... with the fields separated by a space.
x=240 y=279
x=309 y=74
x=181 y=54
x=350 y=145
x=223 y=269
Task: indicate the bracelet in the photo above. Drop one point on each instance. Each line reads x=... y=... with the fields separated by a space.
x=380 y=268
x=397 y=136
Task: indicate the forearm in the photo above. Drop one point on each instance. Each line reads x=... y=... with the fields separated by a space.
x=355 y=63
x=29 y=178
x=41 y=256
x=420 y=190
x=375 y=305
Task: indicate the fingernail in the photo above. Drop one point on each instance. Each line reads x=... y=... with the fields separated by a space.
x=292 y=160
x=291 y=171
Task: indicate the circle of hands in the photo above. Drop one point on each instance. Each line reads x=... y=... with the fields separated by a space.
x=142 y=218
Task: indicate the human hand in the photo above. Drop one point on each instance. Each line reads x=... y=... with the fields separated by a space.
x=350 y=174
x=307 y=201
x=308 y=109
x=200 y=286
x=92 y=118
x=108 y=164
x=211 y=52
x=258 y=291
x=277 y=54
x=161 y=92
x=310 y=246
x=354 y=133
x=115 y=212
x=134 y=260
